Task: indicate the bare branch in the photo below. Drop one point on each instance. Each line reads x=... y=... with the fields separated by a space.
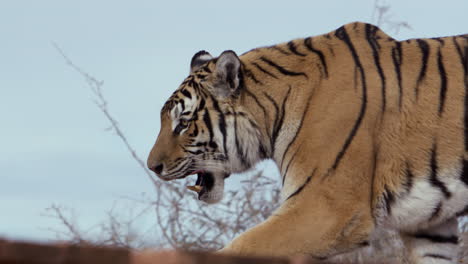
x=383 y=18
x=96 y=87
x=72 y=230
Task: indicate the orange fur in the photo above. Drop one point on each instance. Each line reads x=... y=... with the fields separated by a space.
x=348 y=117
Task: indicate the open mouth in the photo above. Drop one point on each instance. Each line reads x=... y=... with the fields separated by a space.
x=204 y=183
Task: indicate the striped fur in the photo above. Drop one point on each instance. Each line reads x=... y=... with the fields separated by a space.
x=367 y=132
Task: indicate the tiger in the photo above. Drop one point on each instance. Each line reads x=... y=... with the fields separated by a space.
x=367 y=132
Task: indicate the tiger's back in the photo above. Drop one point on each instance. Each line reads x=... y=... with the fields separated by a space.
x=410 y=93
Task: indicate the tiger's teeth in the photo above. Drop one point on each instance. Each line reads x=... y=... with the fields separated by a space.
x=195 y=188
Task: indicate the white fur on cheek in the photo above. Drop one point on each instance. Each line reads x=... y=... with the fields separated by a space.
x=248 y=138
x=177 y=110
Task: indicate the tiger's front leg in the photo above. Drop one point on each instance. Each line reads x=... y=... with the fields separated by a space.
x=315 y=224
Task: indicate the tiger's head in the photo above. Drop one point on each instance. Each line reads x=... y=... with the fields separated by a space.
x=203 y=129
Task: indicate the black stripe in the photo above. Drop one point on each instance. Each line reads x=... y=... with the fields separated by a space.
x=437 y=238
x=209 y=126
x=370 y=36
x=193 y=84
x=279 y=125
x=251 y=75
x=280 y=50
x=282 y=69
x=197 y=152
x=425 y=55
x=202 y=92
x=182 y=103
x=287 y=167
x=262 y=151
x=197 y=145
x=201 y=105
x=265 y=115
x=308 y=45
x=437 y=256
x=298 y=129
x=240 y=153
x=299 y=190
x=178 y=160
x=389 y=199
x=185 y=166
x=434 y=170
x=397 y=57
x=263 y=70
x=459 y=51
x=275 y=105
x=249 y=93
x=293 y=49
x=436 y=212
x=201 y=76
x=167 y=106
x=443 y=82
x=206 y=69
x=222 y=125
x=341 y=34
x=409 y=178
x=464 y=173
x=186 y=93
x=440 y=40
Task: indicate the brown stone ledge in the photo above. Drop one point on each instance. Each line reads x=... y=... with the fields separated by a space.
x=12 y=252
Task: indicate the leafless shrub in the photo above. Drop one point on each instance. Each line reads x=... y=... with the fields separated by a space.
x=70 y=229
x=117 y=229
x=384 y=18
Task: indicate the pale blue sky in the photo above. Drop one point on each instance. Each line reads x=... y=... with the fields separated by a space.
x=53 y=144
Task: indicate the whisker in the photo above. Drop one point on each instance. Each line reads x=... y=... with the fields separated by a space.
x=211 y=168
x=212 y=161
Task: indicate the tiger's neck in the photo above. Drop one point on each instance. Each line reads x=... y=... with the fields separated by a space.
x=274 y=94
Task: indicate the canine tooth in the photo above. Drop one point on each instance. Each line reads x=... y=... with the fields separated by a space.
x=195 y=188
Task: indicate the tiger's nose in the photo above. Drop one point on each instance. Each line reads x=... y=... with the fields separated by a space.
x=157 y=169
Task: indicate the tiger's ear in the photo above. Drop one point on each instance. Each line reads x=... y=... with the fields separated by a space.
x=227 y=74
x=199 y=59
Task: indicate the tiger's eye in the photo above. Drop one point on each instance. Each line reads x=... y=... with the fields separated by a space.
x=183 y=122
